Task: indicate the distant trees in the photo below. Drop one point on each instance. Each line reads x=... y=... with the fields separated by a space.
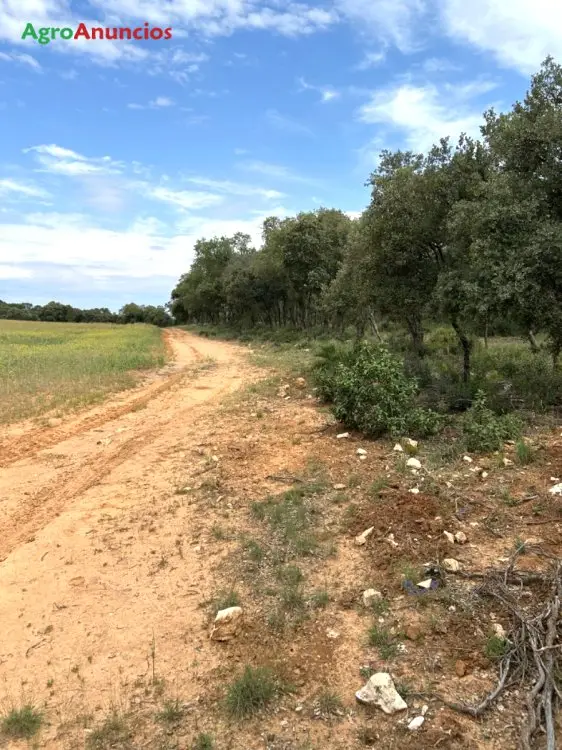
x=59 y=313
x=469 y=234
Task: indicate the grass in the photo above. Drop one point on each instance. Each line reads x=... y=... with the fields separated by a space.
x=289 y=515
x=51 y=366
x=171 y=713
x=320 y=599
x=113 y=731
x=382 y=639
x=203 y=742
x=253 y=691
x=21 y=723
x=226 y=599
x=524 y=453
x=495 y=647
x=329 y=704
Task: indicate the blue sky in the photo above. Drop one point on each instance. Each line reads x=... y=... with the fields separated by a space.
x=116 y=156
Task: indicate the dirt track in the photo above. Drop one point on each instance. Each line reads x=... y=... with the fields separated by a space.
x=79 y=585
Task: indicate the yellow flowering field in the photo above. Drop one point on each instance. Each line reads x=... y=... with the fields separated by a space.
x=46 y=366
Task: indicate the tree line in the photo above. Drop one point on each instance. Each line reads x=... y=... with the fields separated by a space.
x=469 y=234
x=57 y=312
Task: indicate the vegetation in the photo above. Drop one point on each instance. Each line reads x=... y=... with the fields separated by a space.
x=21 y=723
x=57 y=312
x=45 y=366
x=457 y=246
x=251 y=692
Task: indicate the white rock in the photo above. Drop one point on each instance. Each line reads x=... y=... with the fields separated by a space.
x=498 y=630
x=370 y=596
x=507 y=462
x=361 y=539
x=339 y=486
x=333 y=634
x=451 y=565
x=398 y=448
x=227 y=623
x=483 y=474
x=425 y=584
x=342 y=435
x=413 y=463
x=390 y=540
x=424 y=710
x=461 y=537
x=450 y=537
x=556 y=490
x=361 y=452
x=416 y=723
x=380 y=691
x=467 y=459
x=414 y=490
x=362 y=458
x=411 y=443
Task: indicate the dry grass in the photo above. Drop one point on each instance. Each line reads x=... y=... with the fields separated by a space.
x=47 y=366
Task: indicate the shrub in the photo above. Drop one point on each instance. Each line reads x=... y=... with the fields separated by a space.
x=371 y=392
x=484 y=431
x=251 y=692
x=22 y=723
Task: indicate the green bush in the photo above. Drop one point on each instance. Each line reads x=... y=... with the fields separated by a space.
x=371 y=392
x=484 y=431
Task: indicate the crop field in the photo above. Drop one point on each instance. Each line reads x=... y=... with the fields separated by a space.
x=51 y=366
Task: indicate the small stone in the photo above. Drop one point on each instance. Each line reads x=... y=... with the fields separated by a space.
x=499 y=630
x=483 y=474
x=398 y=448
x=556 y=490
x=333 y=634
x=411 y=443
x=390 y=540
x=461 y=537
x=339 y=486
x=342 y=435
x=227 y=623
x=416 y=723
x=467 y=459
x=362 y=458
x=460 y=668
x=370 y=596
x=450 y=537
x=451 y=565
x=301 y=382
x=424 y=710
x=54 y=422
x=361 y=452
x=507 y=462
x=380 y=691
x=413 y=632
x=413 y=463
x=361 y=539
x=414 y=491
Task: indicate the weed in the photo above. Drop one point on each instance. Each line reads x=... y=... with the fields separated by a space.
x=171 y=713
x=367 y=671
x=255 y=552
x=486 y=432
x=226 y=599
x=203 y=742
x=495 y=647
x=320 y=599
x=22 y=723
x=218 y=532
x=251 y=692
x=290 y=518
x=379 y=484
x=113 y=731
x=507 y=498
x=524 y=453
x=353 y=481
x=381 y=638
x=380 y=607
x=328 y=704
x=519 y=546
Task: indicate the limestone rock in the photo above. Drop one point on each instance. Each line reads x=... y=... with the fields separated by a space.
x=450 y=537
x=451 y=565
x=380 y=691
x=370 y=596
x=398 y=448
x=361 y=539
x=461 y=537
x=416 y=723
x=342 y=435
x=413 y=463
x=227 y=623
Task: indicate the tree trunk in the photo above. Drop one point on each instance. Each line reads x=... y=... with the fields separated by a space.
x=374 y=326
x=416 y=332
x=466 y=344
x=556 y=349
x=533 y=342
x=486 y=335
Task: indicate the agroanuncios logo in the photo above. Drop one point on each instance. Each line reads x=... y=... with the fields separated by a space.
x=47 y=34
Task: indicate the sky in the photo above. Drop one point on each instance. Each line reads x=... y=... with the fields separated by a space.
x=116 y=156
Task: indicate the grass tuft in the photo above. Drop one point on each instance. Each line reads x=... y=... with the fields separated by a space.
x=21 y=723
x=253 y=691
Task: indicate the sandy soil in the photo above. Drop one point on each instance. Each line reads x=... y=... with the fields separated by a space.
x=120 y=525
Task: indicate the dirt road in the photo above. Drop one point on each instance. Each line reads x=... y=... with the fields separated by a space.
x=88 y=519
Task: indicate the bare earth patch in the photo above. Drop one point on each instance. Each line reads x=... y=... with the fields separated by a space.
x=126 y=527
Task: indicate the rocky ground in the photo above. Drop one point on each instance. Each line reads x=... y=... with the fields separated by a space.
x=230 y=486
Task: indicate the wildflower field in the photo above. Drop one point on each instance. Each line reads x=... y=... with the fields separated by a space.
x=60 y=366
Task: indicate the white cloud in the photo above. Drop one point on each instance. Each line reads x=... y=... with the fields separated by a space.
x=159 y=103
x=371 y=60
x=389 y=21
x=277 y=171
x=64 y=161
x=236 y=188
x=285 y=123
x=186 y=199
x=9 y=271
x=8 y=186
x=327 y=93
x=425 y=114
x=21 y=58
x=519 y=33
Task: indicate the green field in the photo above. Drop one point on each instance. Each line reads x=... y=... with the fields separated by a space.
x=62 y=366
